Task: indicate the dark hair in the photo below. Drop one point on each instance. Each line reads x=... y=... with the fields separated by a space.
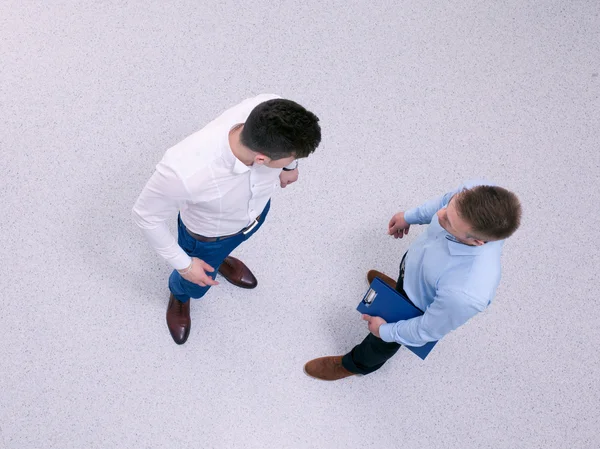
x=494 y=213
x=281 y=128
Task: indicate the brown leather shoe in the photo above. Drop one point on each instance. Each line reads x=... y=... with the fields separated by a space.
x=237 y=273
x=327 y=368
x=372 y=274
x=178 y=319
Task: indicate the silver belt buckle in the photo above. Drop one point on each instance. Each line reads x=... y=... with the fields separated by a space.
x=251 y=227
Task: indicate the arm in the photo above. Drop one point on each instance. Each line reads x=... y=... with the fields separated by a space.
x=289 y=174
x=400 y=223
x=449 y=310
x=424 y=213
x=291 y=166
x=159 y=201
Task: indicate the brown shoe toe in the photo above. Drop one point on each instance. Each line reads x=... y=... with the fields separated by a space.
x=178 y=320
x=237 y=273
x=372 y=274
x=327 y=368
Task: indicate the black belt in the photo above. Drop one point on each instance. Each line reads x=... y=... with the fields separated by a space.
x=247 y=229
x=401 y=280
x=402 y=265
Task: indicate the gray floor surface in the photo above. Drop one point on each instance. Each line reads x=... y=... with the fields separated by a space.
x=414 y=98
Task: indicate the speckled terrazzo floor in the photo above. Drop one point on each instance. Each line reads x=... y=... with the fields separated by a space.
x=414 y=97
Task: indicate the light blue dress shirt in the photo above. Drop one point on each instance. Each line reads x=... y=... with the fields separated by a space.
x=447 y=279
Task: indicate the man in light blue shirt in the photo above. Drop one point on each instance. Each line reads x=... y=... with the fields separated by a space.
x=451 y=272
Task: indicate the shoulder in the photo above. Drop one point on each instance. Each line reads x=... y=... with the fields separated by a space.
x=240 y=112
x=465 y=186
x=476 y=277
x=196 y=153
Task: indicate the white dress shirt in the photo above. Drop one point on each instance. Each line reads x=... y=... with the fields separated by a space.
x=201 y=178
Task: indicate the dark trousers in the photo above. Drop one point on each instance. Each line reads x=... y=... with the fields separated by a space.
x=213 y=253
x=373 y=352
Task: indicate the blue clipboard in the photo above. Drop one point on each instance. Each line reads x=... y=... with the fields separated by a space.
x=383 y=301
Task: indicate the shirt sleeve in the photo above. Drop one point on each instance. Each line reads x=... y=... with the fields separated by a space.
x=425 y=212
x=449 y=310
x=159 y=201
x=292 y=165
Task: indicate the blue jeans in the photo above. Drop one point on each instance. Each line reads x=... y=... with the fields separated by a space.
x=213 y=253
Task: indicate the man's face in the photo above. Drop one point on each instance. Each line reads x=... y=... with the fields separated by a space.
x=455 y=225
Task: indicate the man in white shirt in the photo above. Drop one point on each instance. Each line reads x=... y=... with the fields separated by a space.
x=220 y=180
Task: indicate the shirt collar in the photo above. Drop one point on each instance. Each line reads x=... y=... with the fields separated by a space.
x=457 y=248
x=237 y=166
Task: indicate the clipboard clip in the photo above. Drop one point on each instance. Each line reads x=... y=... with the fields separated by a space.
x=369 y=297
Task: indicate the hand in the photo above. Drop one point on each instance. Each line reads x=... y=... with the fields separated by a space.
x=288 y=177
x=398 y=227
x=374 y=324
x=198 y=275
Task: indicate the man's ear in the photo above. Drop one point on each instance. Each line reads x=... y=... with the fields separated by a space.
x=475 y=241
x=260 y=159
